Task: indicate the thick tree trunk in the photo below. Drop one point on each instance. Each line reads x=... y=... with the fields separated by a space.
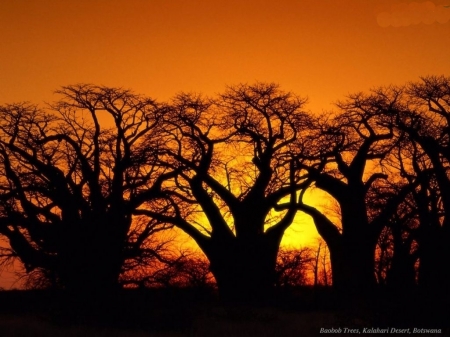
x=401 y=276
x=434 y=255
x=354 y=271
x=245 y=268
x=91 y=263
x=353 y=267
x=352 y=252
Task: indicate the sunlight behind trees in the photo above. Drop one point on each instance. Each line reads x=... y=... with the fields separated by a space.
x=88 y=205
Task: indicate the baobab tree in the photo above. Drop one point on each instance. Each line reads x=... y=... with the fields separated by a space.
x=393 y=137
x=396 y=253
x=71 y=179
x=236 y=157
x=426 y=121
x=346 y=160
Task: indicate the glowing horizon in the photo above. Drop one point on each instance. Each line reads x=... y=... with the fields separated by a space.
x=323 y=50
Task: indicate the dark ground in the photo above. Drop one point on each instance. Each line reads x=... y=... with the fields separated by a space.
x=188 y=312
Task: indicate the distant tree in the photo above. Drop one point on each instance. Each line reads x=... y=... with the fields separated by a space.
x=325 y=265
x=191 y=271
x=236 y=155
x=292 y=268
x=150 y=247
x=185 y=270
x=321 y=265
x=39 y=278
x=316 y=264
x=72 y=178
x=195 y=273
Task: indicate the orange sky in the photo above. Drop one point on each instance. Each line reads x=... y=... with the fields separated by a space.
x=320 y=49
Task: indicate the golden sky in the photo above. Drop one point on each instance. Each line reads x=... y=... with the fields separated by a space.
x=321 y=49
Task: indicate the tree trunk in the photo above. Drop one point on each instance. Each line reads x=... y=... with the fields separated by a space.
x=91 y=263
x=401 y=276
x=353 y=269
x=434 y=256
x=245 y=268
x=316 y=266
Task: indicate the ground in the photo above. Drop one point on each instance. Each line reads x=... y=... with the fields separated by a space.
x=192 y=313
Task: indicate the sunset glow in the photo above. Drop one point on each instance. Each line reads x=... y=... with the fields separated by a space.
x=323 y=50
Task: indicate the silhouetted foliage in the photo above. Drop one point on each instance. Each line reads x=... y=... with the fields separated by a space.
x=85 y=205
x=176 y=270
x=321 y=265
x=236 y=154
x=426 y=154
x=347 y=155
x=384 y=158
x=293 y=266
x=70 y=186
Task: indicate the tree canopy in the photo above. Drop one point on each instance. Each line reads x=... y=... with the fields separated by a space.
x=88 y=184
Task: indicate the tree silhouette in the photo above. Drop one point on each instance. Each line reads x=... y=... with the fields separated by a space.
x=236 y=154
x=426 y=122
x=384 y=158
x=346 y=160
x=293 y=266
x=188 y=270
x=88 y=186
x=397 y=246
x=70 y=184
x=320 y=264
